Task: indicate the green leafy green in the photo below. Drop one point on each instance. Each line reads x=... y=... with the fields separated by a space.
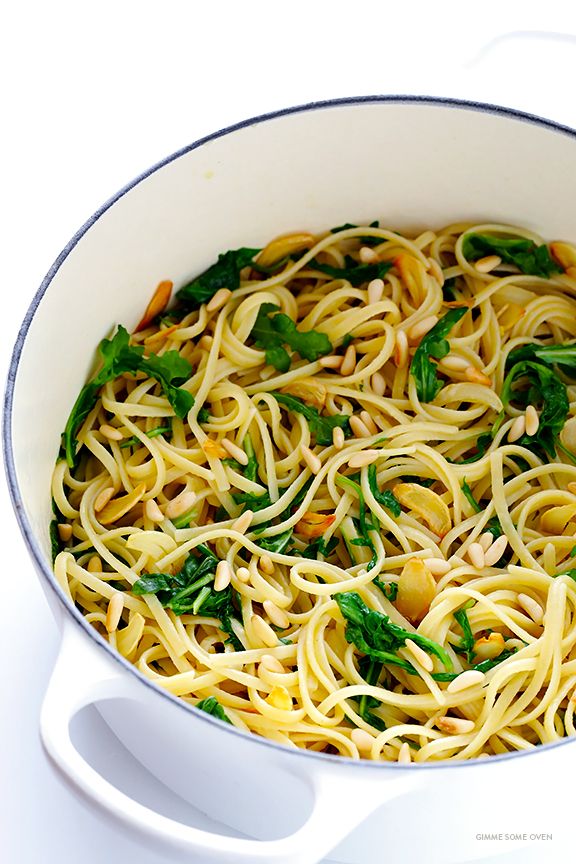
x=365 y=523
x=321 y=427
x=571 y=573
x=370 y=671
x=524 y=254
x=470 y=497
x=212 y=706
x=118 y=357
x=466 y=645
x=386 y=498
x=272 y=330
x=433 y=344
x=356 y=274
x=278 y=543
x=421 y=481
x=319 y=546
x=366 y=241
x=539 y=385
x=484 y=666
x=203 y=415
x=225 y=273
x=346 y=340
x=252 y=500
x=389 y=589
x=448 y=292
x=251 y=469
x=153 y=433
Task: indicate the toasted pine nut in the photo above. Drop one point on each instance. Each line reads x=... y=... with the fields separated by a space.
x=362 y=739
x=64 y=531
x=271 y=663
x=312 y=461
x=465 y=680
x=103 y=497
x=380 y=422
x=486 y=540
x=367 y=255
x=152 y=511
x=485 y=265
x=110 y=432
x=378 y=384
x=243 y=574
x=369 y=422
x=375 y=290
x=438 y=566
x=338 y=437
x=223 y=576
x=267 y=565
x=455 y=725
x=333 y=361
x=532 y=420
x=404 y=754
x=531 y=607
x=206 y=342
x=476 y=555
x=359 y=428
x=517 y=429
x=364 y=457
x=455 y=363
x=180 y=505
x=277 y=616
x=114 y=611
x=418 y=330
x=420 y=655
x=477 y=377
x=219 y=299
x=235 y=451
x=95 y=564
x=263 y=631
x=349 y=362
x=495 y=551
x=400 y=354
x=279 y=697
x=243 y=522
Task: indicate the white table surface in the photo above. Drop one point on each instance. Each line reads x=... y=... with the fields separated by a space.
x=94 y=94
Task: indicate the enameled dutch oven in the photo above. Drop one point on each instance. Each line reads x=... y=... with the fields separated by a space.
x=413 y=163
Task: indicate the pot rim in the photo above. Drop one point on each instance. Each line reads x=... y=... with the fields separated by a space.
x=9 y=463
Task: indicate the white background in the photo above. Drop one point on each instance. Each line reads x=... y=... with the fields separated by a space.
x=94 y=93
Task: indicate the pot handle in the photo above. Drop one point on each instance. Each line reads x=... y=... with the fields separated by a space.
x=84 y=674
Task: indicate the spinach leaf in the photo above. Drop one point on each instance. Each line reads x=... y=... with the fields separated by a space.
x=448 y=292
x=252 y=501
x=434 y=344
x=366 y=241
x=225 y=273
x=355 y=273
x=540 y=385
x=422 y=481
x=272 y=331
x=319 y=546
x=277 y=543
x=320 y=426
x=118 y=357
x=466 y=645
x=212 y=706
x=387 y=498
x=524 y=254
x=203 y=415
x=389 y=589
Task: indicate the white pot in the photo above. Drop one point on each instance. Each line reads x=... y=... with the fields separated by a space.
x=411 y=163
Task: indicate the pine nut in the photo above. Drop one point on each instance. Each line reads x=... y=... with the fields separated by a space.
x=404 y=754
x=362 y=739
x=365 y=457
x=477 y=377
x=359 y=428
x=180 y=505
x=223 y=576
x=110 y=432
x=375 y=290
x=485 y=265
x=367 y=255
x=381 y=422
x=532 y=420
x=152 y=511
x=495 y=551
x=271 y=663
x=243 y=574
x=243 y=522
x=531 y=607
x=263 y=631
x=437 y=566
x=420 y=655
x=206 y=342
x=369 y=422
x=349 y=362
x=378 y=384
x=400 y=354
x=103 y=498
x=64 y=531
x=476 y=555
x=466 y=679
x=418 y=330
x=333 y=361
x=114 y=611
x=455 y=363
x=267 y=565
x=338 y=437
x=517 y=429
x=219 y=299
x=455 y=725
x=235 y=451
x=279 y=697
x=276 y=615
x=312 y=461
x=95 y=564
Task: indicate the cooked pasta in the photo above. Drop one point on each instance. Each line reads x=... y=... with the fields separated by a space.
x=329 y=496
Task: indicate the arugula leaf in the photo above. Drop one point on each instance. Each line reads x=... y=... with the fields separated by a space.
x=544 y=388
x=118 y=357
x=387 y=498
x=212 y=706
x=484 y=666
x=346 y=340
x=571 y=573
x=355 y=273
x=272 y=331
x=433 y=344
x=466 y=645
x=153 y=433
x=364 y=524
x=320 y=426
x=366 y=241
x=370 y=671
x=225 y=273
x=251 y=469
x=203 y=415
x=277 y=543
x=378 y=637
x=422 y=481
x=319 y=546
x=524 y=254
x=389 y=589
x=448 y=287
x=470 y=497
x=252 y=501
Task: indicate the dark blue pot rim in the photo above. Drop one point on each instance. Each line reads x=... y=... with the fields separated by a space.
x=25 y=526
